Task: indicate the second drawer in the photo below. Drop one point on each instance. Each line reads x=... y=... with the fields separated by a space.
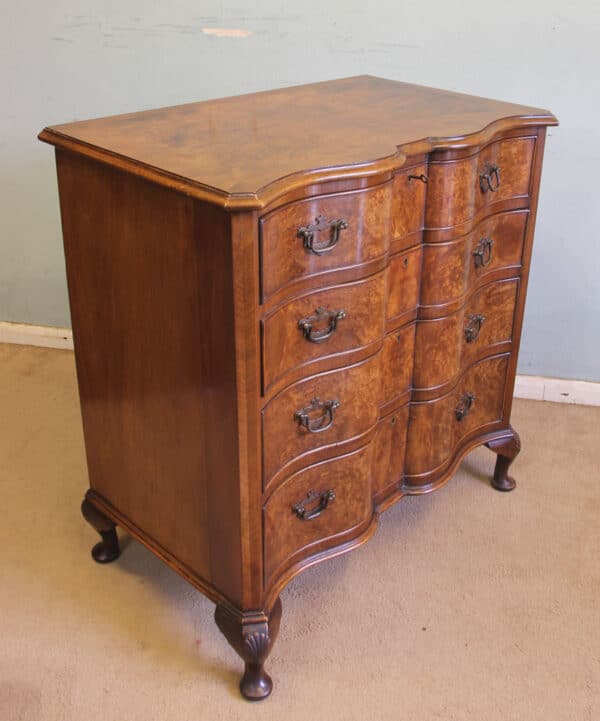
x=331 y=322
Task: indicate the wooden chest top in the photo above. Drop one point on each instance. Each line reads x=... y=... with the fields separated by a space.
x=240 y=152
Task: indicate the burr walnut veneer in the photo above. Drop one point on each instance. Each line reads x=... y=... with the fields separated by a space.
x=290 y=309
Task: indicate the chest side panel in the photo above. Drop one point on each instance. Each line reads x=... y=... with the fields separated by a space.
x=147 y=267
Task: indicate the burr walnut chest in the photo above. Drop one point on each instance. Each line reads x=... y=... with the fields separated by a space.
x=290 y=309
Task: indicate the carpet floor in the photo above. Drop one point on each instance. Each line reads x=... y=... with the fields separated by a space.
x=466 y=605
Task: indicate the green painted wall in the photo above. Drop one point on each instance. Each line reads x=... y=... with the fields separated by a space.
x=69 y=60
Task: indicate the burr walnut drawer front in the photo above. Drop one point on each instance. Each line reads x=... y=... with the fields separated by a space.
x=404 y=282
x=315 y=508
x=436 y=428
x=313 y=418
x=456 y=340
x=324 y=233
x=408 y=204
x=458 y=189
x=451 y=269
x=335 y=321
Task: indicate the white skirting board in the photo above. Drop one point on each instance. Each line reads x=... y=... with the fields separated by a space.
x=557 y=390
x=41 y=335
x=539 y=388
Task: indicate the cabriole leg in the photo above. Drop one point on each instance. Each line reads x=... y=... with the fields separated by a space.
x=252 y=636
x=107 y=549
x=507 y=449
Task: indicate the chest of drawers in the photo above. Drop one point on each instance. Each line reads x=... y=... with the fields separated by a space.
x=290 y=309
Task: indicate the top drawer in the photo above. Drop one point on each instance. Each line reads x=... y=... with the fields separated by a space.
x=458 y=189
x=323 y=233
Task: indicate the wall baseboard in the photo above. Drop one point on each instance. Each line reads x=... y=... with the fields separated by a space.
x=538 y=388
x=557 y=390
x=38 y=335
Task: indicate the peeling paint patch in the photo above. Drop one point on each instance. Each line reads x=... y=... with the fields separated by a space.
x=227 y=32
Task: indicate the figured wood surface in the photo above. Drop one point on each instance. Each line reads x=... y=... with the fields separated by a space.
x=357 y=390
x=283 y=255
x=286 y=535
x=232 y=149
x=404 y=282
x=389 y=447
x=435 y=432
x=287 y=349
x=449 y=267
x=442 y=342
x=454 y=192
x=397 y=362
x=409 y=188
x=191 y=363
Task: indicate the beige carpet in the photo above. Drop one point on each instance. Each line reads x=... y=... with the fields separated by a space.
x=466 y=605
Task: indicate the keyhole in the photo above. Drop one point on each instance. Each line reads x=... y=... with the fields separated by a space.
x=406 y=262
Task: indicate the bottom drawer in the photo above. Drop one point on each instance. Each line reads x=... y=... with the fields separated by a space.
x=317 y=508
x=388 y=452
x=437 y=427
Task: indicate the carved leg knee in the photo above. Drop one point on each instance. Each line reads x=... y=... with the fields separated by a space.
x=107 y=549
x=252 y=636
x=507 y=449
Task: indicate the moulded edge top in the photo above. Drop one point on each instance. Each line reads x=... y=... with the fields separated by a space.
x=247 y=151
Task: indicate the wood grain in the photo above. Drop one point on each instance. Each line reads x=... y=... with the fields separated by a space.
x=397 y=363
x=247 y=150
x=454 y=193
x=434 y=430
x=287 y=445
x=287 y=537
x=449 y=268
x=188 y=276
x=286 y=350
x=153 y=370
x=389 y=447
x=404 y=282
x=408 y=201
x=443 y=341
x=284 y=257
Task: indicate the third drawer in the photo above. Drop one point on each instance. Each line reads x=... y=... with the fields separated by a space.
x=444 y=346
x=319 y=416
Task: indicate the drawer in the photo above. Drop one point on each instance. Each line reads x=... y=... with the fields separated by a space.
x=445 y=345
x=302 y=423
x=397 y=362
x=312 y=509
x=451 y=269
x=388 y=451
x=327 y=232
x=408 y=203
x=436 y=428
x=458 y=189
x=328 y=322
x=404 y=282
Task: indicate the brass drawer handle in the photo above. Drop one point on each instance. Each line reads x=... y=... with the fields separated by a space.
x=318 y=336
x=490 y=178
x=323 y=498
x=323 y=421
x=307 y=233
x=464 y=405
x=474 y=323
x=423 y=178
x=483 y=252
